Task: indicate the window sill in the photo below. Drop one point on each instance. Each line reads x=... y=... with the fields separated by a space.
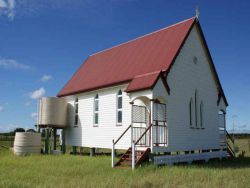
x=197 y=128
x=118 y=124
x=194 y=128
x=95 y=125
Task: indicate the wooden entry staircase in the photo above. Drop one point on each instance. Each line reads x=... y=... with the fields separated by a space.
x=230 y=145
x=140 y=157
x=140 y=150
x=227 y=143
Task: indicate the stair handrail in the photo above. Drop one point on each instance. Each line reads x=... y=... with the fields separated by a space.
x=115 y=142
x=230 y=137
x=231 y=149
x=143 y=134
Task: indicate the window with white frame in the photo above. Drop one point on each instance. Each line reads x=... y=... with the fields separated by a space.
x=119 y=107
x=96 y=110
x=76 y=113
x=191 y=112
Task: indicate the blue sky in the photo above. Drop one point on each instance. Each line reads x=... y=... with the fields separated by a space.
x=43 y=42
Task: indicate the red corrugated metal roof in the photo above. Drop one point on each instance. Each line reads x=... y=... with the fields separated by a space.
x=144 y=81
x=120 y=64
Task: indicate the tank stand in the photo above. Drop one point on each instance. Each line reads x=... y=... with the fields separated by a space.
x=47 y=140
x=50 y=145
x=50 y=140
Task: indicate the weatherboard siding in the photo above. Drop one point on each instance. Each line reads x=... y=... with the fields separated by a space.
x=222 y=105
x=86 y=134
x=184 y=78
x=160 y=92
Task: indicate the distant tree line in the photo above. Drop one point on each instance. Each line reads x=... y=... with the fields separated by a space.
x=241 y=135
x=19 y=129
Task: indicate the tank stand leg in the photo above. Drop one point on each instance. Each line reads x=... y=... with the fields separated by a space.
x=54 y=135
x=91 y=152
x=46 y=141
x=81 y=150
x=74 y=148
x=63 y=142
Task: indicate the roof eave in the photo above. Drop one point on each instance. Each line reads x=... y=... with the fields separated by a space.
x=94 y=88
x=212 y=65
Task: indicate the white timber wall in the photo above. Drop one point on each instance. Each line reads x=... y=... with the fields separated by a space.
x=222 y=119
x=86 y=134
x=222 y=106
x=184 y=78
x=140 y=94
x=160 y=92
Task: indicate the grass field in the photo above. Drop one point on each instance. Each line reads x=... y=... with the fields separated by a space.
x=243 y=145
x=83 y=171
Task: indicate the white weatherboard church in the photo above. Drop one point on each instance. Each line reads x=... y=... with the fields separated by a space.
x=157 y=95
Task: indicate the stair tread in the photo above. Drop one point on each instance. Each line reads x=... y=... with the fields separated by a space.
x=126 y=158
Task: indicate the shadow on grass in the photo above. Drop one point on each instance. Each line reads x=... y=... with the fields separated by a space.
x=234 y=163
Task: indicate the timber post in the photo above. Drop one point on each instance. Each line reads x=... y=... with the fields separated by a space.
x=55 y=139
x=46 y=146
x=91 y=152
x=113 y=154
x=63 y=142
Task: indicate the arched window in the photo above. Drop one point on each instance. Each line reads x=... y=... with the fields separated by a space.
x=191 y=112
x=201 y=114
x=196 y=108
x=76 y=112
x=119 y=107
x=96 y=110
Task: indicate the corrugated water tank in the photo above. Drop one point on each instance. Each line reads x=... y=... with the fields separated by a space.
x=27 y=143
x=53 y=112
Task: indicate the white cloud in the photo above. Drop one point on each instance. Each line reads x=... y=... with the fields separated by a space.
x=12 y=64
x=37 y=93
x=7 y=8
x=46 y=78
x=1 y=108
x=33 y=115
x=3 y=4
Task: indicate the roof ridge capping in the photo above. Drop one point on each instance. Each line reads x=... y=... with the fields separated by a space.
x=167 y=27
x=147 y=74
